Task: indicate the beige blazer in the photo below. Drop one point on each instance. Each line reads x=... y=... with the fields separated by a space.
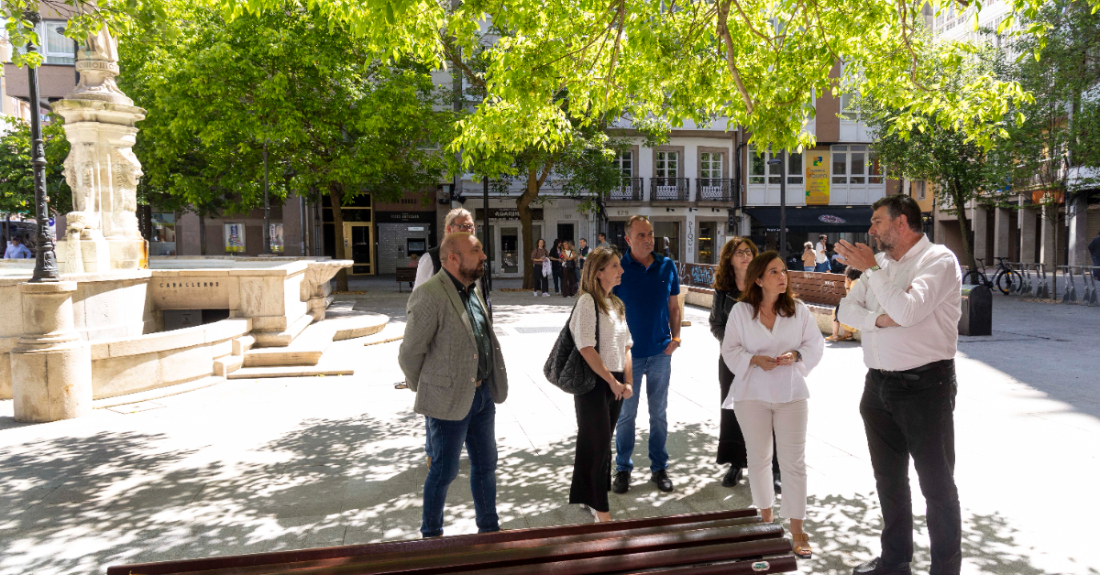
x=439 y=354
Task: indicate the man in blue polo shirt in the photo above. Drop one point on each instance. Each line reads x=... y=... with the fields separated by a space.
x=649 y=283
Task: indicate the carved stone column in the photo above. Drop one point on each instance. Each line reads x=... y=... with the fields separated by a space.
x=102 y=232
x=51 y=367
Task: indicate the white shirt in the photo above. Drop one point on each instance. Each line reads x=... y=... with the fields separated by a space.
x=614 y=333
x=424 y=270
x=819 y=253
x=746 y=337
x=922 y=292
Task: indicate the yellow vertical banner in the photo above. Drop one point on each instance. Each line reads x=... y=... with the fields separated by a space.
x=817 y=178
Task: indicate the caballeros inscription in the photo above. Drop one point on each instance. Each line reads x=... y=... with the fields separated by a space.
x=189 y=284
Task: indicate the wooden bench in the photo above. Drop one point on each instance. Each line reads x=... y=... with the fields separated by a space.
x=733 y=542
x=820 y=289
x=404 y=276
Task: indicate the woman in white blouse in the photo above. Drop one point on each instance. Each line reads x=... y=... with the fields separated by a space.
x=598 y=410
x=771 y=344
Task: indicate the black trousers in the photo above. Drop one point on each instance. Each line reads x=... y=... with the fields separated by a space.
x=911 y=414
x=555 y=273
x=542 y=283
x=731 y=442
x=568 y=282
x=597 y=413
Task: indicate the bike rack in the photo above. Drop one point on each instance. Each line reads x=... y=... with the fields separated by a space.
x=1090 y=297
x=1069 y=294
x=1025 y=286
x=1043 y=290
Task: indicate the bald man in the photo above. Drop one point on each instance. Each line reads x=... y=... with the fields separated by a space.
x=458 y=383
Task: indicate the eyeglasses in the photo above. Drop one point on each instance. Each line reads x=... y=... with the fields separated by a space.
x=468 y=228
x=746 y=253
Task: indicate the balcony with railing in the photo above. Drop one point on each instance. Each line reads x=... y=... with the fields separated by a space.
x=629 y=191
x=669 y=190
x=716 y=190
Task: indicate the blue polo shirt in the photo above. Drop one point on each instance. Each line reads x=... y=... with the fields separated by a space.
x=645 y=292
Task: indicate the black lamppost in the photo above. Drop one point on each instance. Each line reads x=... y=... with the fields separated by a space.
x=782 y=163
x=45 y=262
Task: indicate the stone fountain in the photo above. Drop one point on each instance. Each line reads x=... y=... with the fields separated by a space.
x=99 y=333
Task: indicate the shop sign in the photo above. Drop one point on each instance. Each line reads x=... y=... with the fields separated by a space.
x=506 y=214
x=817 y=178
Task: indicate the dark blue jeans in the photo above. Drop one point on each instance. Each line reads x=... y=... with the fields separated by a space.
x=478 y=432
x=822 y=268
x=657 y=370
x=912 y=415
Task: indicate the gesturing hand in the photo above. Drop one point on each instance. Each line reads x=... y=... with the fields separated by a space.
x=764 y=362
x=859 y=256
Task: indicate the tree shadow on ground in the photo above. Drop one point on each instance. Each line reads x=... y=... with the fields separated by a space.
x=78 y=505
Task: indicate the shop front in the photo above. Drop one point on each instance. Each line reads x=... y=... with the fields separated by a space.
x=806 y=223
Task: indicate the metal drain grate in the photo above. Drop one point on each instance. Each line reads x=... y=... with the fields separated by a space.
x=537 y=329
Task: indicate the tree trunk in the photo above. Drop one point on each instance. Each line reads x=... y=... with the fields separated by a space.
x=523 y=204
x=964 y=228
x=336 y=196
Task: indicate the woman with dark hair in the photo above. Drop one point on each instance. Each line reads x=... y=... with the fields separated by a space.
x=538 y=275
x=729 y=282
x=598 y=410
x=772 y=343
x=555 y=265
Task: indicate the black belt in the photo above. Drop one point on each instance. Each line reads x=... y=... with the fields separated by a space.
x=914 y=374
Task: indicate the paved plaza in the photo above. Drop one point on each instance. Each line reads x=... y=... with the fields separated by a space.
x=249 y=466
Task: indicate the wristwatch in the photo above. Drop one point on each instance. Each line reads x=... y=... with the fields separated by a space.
x=873 y=268
x=797 y=355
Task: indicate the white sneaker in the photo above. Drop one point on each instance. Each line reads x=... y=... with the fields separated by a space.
x=544 y=294
x=536 y=294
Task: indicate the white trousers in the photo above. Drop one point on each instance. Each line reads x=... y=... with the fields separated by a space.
x=789 y=420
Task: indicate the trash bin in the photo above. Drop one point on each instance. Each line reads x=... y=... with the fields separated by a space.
x=977 y=310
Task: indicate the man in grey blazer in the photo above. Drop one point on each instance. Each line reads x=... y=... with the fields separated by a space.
x=451 y=359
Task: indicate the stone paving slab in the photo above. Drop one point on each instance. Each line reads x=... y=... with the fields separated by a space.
x=248 y=466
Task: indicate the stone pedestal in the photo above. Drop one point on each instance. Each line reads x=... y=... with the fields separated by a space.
x=51 y=366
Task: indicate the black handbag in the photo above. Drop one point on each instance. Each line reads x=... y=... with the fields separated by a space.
x=566 y=367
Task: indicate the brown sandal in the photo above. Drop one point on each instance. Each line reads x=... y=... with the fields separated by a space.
x=802 y=545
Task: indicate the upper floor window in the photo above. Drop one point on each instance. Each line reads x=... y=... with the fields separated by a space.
x=668 y=165
x=856 y=165
x=760 y=171
x=624 y=162
x=710 y=165
x=54 y=46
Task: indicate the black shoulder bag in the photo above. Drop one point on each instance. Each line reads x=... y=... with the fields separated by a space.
x=566 y=367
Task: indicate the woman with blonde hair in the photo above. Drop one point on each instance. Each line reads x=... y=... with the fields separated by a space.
x=729 y=282
x=772 y=343
x=598 y=410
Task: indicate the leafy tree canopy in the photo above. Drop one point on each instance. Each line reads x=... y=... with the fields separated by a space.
x=664 y=63
x=17 y=173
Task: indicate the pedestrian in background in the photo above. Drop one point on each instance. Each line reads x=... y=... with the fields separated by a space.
x=582 y=254
x=602 y=241
x=907 y=307
x=458 y=220
x=598 y=410
x=809 y=258
x=729 y=284
x=16 y=250
x=772 y=343
x=821 y=256
x=451 y=358
x=568 y=269
x=540 y=269
x=648 y=289
x=842 y=332
x=555 y=265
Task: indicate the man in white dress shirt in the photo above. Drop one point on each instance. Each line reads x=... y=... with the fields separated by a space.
x=907 y=308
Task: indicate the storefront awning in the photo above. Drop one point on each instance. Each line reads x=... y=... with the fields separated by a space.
x=816 y=218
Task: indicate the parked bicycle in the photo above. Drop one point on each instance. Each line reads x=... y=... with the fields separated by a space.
x=1004 y=279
